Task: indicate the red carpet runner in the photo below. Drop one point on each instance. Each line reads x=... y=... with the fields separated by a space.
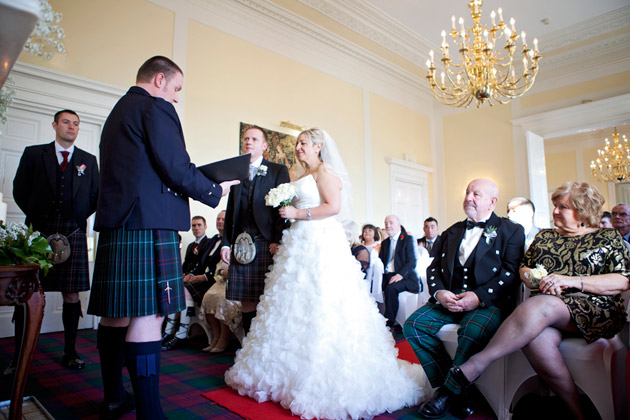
x=251 y=410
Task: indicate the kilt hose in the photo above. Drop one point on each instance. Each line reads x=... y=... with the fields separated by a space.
x=246 y=283
x=137 y=273
x=72 y=275
x=476 y=329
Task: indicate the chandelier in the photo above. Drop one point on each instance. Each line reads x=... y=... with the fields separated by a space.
x=613 y=163
x=483 y=73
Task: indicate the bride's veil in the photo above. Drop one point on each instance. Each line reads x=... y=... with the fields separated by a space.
x=332 y=159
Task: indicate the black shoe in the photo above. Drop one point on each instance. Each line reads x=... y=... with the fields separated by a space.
x=114 y=411
x=465 y=405
x=72 y=361
x=438 y=405
x=173 y=343
x=459 y=377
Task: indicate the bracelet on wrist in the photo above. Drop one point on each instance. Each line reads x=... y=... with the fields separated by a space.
x=308 y=214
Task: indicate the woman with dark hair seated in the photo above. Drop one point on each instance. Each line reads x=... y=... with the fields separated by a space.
x=370 y=237
x=579 y=272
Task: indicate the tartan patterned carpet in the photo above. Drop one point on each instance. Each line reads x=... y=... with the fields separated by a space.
x=186 y=374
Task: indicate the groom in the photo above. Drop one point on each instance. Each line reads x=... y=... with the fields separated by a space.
x=251 y=227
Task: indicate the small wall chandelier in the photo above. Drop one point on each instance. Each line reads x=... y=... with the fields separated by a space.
x=483 y=73
x=613 y=162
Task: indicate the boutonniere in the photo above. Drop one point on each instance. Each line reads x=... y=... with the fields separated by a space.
x=262 y=170
x=402 y=236
x=81 y=169
x=490 y=233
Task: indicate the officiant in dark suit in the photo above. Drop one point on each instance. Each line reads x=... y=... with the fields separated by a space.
x=56 y=186
x=399 y=259
x=146 y=182
x=473 y=281
x=251 y=227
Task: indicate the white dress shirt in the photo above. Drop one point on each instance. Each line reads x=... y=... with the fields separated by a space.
x=253 y=167
x=392 y=251
x=469 y=242
x=59 y=149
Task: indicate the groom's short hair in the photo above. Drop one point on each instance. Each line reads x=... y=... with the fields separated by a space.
x=262 y=130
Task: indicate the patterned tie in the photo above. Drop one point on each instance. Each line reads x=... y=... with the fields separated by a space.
x=65 y=162
x=428 y=245
x=252 y=171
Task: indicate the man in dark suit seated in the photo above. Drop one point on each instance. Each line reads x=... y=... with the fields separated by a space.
x=430 y=240
x=200 y=255
x=473 y=281
x=56 y=186
x=399 y=259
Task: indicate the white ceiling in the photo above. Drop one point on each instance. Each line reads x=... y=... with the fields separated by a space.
x=428 y=17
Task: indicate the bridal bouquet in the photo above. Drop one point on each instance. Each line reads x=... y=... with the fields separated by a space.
x=281 y=195
x=537 y=274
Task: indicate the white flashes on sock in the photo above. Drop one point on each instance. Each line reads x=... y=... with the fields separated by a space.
x=184 y=320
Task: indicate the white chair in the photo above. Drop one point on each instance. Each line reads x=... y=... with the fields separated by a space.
x=597 y=369
x=491 y=382
x=409 y=302
x=198 y=325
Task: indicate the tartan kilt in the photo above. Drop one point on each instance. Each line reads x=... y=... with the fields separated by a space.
x=246 y=283
x=198 y=289
x=133 y=270
x=73 y=274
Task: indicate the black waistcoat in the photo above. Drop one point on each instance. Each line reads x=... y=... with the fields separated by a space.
x=245 y=218
x=63 y=203
x=464 y=275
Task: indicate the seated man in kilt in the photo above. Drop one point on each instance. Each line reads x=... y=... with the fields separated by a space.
x=200 y=262
x=56 y=186
x=249 y=221
x=147 y=178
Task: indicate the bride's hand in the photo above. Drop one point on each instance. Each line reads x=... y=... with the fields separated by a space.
x=288 y=212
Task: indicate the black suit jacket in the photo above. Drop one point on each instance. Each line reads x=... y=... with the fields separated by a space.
x=35 y=184
x=147 y=175
x=266 y=218
x=434 y=248
x=190 y=258
x=209 y=260
x=404 y=257
x=495 y=266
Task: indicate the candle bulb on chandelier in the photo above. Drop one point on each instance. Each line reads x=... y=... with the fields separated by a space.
x=442 y=76
x=453 y=22
x=461 y=23
x=443 y=37
x=512 y=22
x=525 y=64
x=428 y=64
x=493 y=15
x=523 y=37
x=500 y=15
x=431 y=55
x=485 y=35
x=536 y=45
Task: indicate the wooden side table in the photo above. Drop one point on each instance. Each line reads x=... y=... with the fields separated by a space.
x=19 y=285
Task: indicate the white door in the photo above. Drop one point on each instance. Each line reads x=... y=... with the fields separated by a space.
x=26 y=128
x=410 y=194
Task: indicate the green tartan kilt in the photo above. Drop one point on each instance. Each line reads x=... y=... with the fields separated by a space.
x=137 y=273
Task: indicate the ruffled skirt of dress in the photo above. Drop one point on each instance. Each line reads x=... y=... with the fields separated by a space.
x=318 y=345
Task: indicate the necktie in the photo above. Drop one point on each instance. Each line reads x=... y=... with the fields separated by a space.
x=392 y=247
x=470 y=224
x=428 y=245
x=252 y=171
x=65 y=162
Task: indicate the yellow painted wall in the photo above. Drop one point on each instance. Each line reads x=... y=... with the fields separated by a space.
x=560 y=167
x=228 y=81
x=478 y=144
x=396 y=130
x=589 y=155
x=108 y=40
x=620 y=82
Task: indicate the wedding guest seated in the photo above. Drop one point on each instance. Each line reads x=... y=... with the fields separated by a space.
x=221 y=314
x=370 y=237
x=521 y=210
x=399 y=259
x=431 y=238
x=359 y=251
x=578 y=272
x=621 y=221
x=606 y=220
x=472 y=282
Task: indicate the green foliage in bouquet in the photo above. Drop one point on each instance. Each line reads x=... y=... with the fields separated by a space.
x=20 y=245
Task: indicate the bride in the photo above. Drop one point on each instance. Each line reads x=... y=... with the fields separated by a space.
x=318 y=344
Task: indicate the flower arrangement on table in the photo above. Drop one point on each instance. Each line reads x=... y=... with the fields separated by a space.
x=21 y=245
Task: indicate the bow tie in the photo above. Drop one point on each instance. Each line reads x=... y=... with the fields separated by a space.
x=470 y=224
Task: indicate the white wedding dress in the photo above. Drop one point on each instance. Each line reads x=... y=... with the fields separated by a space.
x=318 y=344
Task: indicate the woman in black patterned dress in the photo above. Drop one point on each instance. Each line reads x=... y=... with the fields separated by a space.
x=588 y=268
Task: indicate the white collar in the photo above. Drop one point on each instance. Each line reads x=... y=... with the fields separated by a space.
x=59 y=149
x=257 y=162
x=396 y=236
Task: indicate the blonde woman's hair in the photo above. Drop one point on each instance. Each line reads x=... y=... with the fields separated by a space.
x=584 y=198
